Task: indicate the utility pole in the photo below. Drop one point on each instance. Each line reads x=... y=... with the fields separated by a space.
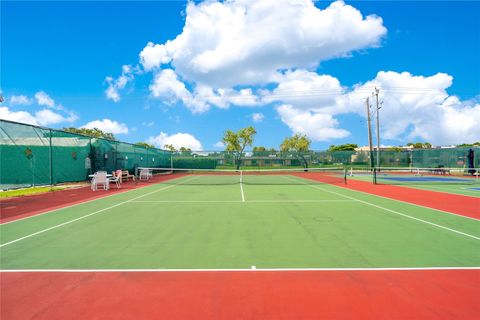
x=377 y=91
x=369 y=133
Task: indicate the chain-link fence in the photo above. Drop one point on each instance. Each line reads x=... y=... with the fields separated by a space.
x=31 y=155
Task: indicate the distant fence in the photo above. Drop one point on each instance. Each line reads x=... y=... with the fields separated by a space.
x=32 y=155
x=422 y=158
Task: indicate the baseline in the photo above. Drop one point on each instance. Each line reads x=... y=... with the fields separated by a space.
x=239 y=269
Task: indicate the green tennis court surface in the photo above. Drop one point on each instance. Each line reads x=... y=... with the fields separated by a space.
x=192 y=223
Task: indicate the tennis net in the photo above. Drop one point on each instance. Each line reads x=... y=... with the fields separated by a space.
x=253 y=177
x=423 y=176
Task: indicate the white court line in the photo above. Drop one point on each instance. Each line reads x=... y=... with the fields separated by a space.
x=238 y=270
x=86 y=216
x=187 y=201
x=392 y=211
x=239 y=201
x=241 y=190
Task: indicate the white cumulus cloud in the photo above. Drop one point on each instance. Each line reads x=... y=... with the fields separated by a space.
x=44 y=99
x=306 y=90
x=47 y=117
x=178 y=140
x=107 y=125
x=257 y=117
x=245 y=42
x=228 y=48
x=168 y=87
x=20 y=100
x=154 y=55
x=17 y=116
x=252 y=53
x=414 y=107
x=42 y=117
x=419 y=107
x=219 y=144
x=115 y=85
x=309 y=103
x=317 y=126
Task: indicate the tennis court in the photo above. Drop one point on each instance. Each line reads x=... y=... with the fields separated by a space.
x=212 y=242
x=446 y=180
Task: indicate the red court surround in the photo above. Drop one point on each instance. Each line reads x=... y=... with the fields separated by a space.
x=285 y=295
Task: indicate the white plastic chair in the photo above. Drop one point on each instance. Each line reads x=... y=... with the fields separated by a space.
x=117 y=178
x=145 y=174
x=100 y=178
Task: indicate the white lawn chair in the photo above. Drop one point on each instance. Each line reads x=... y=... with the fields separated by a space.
x=145 y=174
x=100 y=179
x=116 y=177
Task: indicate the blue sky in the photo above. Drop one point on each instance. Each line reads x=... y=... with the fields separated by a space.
x=305 y=68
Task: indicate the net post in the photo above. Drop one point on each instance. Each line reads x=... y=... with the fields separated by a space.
x=345 y=175
x=374 y=175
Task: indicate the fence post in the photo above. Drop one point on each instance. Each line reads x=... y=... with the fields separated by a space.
x=116 y=155
x=51 y=159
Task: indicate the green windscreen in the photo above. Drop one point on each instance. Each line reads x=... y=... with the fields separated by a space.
x=69 y=152
x=24 y=155
x=30 y=155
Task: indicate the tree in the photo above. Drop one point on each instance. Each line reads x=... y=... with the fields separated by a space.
x=237 y=141
x=144 y=144
x=420 y=145
x=185 y=151
x=94 y=133
x=169 y=147
x=259 y=151
x=343 y=147
x=475 y=144
x=299 y=144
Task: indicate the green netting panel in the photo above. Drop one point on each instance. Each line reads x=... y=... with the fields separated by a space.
x=141 y=156
x=125 y=156
x=152 y=158
x=69 y=153
x=194 y=163
x=164 y=158
x=24 y=155
x=446 y=157
x=104 y=155
x=394 y=158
